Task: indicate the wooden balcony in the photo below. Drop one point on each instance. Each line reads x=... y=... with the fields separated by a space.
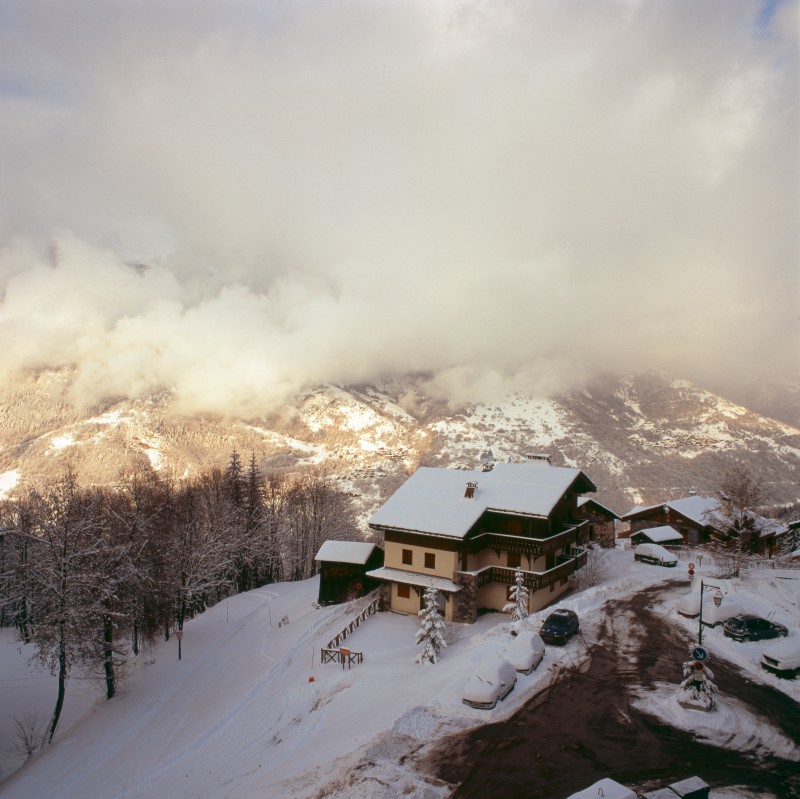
x=533 y=547
x=533 y=580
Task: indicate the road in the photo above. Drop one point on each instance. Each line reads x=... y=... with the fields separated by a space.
x=585 y=727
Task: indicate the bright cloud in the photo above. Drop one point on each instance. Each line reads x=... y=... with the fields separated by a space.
x=340 y=191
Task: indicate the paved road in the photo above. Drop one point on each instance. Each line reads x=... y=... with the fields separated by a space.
x=585 y=727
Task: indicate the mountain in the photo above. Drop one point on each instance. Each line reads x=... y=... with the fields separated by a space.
x=642 y=438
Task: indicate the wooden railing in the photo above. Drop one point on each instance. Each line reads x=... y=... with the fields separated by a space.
x=372 y=608
x=530 y=546
x=344 y=656
x=533 y=580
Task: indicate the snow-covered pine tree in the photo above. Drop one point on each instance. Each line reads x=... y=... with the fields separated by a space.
x=518 y=606
x=431 y=630
x=697 y=688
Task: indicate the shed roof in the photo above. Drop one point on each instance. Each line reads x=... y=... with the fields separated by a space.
x=659 y=535
x=433 y=500
x=345 y=551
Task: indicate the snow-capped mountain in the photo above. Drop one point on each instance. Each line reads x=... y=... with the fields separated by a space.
x=641 y=438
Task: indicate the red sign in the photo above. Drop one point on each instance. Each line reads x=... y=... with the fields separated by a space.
x=179 y=634
x=691 y=567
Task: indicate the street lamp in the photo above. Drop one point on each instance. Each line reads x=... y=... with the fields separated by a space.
x=717 y=602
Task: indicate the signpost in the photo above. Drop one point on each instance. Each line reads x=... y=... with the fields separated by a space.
x=179 y=636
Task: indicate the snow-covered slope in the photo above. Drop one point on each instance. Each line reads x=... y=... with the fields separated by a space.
x=239 y=716
x=643 y=438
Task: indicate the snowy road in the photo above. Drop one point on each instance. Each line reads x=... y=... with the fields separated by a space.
x=593 y=721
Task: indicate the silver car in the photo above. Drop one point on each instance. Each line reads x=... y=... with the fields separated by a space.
x=495 y=680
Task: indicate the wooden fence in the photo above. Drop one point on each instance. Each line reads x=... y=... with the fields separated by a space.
x=363 y=616
x=335 y=653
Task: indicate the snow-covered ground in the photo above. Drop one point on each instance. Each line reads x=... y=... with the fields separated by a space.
x=239 y=714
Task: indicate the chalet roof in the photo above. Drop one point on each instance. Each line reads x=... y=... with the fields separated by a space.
x=414 y=578
x=658 y=535
x=695 y=509
x=345 y=552
x=591 y=500
x=433 y=500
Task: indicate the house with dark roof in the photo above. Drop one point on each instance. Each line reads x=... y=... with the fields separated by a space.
x=467 y=532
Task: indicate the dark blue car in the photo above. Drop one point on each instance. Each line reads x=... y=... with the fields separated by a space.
x=559 y=626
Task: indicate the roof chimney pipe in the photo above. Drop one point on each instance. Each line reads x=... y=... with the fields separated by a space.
x=470 y=492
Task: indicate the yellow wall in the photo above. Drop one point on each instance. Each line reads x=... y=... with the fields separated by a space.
x=446 y=562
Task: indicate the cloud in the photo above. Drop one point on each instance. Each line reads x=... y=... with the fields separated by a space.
x=504 y=192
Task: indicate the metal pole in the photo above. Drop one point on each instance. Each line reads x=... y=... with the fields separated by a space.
x=700 y=629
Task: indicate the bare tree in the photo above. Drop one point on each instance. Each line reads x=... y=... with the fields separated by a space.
x=739 y=496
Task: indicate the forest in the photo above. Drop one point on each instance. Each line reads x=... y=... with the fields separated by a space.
x=90 y=575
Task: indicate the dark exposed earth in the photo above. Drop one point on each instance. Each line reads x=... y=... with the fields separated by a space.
x=585 y=726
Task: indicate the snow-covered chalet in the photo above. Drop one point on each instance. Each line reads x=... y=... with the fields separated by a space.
x=467 y=532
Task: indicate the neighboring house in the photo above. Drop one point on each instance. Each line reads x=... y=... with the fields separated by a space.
x=699 y=519
x=467 y=532
x=343 y=570
x=602 y=521
x=689 y=516
x=657 y=535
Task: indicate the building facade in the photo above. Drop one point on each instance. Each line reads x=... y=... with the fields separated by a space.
x=467 y=532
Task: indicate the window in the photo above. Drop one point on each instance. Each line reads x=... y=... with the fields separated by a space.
x=430 y=560
x=403 y=590
x=514 y=560
x=407 y=557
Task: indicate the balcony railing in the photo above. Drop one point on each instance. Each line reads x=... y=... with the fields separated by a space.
x=532 y=580
x=536 y=547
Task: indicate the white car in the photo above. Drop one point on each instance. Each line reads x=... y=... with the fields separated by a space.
x=783 y=658
x=606 y=787
x=713 y=615
x=654 y=553
x=495 y=680
x=526 y=651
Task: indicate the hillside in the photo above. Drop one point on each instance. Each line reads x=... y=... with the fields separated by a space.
x=239 y=716
x=641 y=438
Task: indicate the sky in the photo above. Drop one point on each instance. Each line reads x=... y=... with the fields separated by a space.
x=238 y=199
x=238 y=715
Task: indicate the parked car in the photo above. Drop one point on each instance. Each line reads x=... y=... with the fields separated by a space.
x=713 y=614
x=606 y=787
x=559 y=626
x=783 y=658
x=494 y=680
x=526 y=651
x=752 y=628
x=654 y=553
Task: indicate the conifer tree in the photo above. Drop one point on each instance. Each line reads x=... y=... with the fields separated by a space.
x=518 y=606
x=431 y=631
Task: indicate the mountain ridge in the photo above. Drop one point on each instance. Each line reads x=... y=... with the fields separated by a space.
x=642 y=438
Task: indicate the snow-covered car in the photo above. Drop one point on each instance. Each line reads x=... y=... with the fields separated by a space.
x=559 y=626
x=606 y=787
x=492 y=681
x=654 y=553
x=713 y=614
x=753 y=628
x=526 y=651
x=783 y=658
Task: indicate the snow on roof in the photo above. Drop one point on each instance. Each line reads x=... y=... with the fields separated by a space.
x=693 y=508
x=606 y=787
x=432 y=500
x=414 y=578
x=345 y=551
x=660 y=534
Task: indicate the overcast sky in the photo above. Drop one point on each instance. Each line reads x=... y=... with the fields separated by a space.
x=238 y=198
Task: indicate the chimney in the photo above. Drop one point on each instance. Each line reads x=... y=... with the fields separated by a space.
x=487 y=461
x=470 y=492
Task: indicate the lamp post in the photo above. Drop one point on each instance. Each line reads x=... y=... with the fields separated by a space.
x=717 y=602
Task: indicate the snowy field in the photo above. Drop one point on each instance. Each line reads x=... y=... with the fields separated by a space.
x=239 y=715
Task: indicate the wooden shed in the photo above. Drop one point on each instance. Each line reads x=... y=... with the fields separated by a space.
x=342 y=570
